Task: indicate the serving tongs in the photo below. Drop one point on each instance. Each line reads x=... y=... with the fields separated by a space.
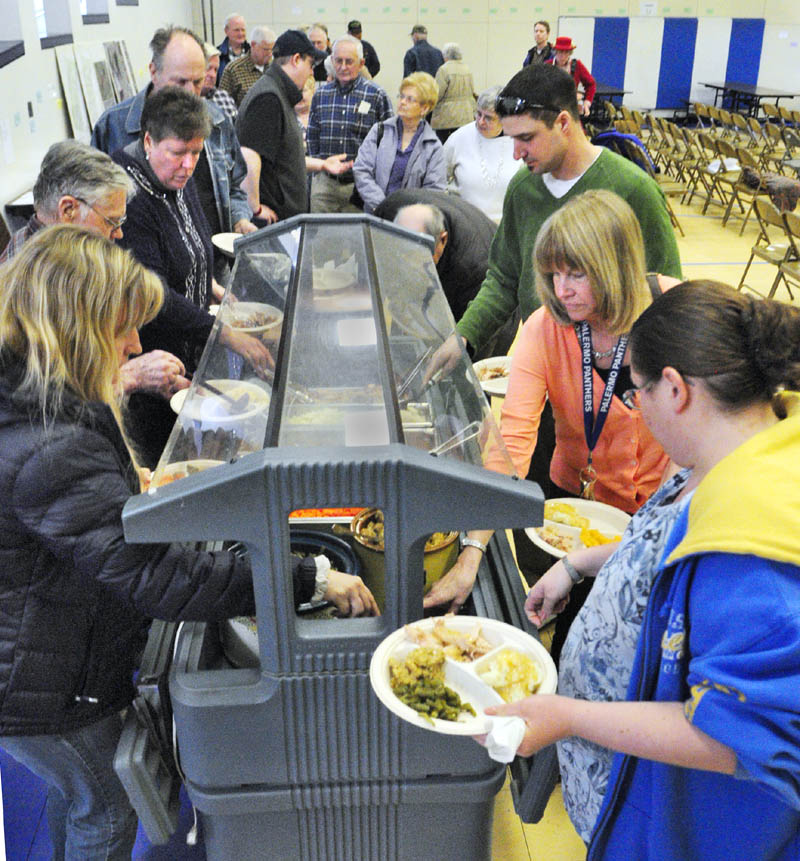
x=463 y=436
x=414 y=371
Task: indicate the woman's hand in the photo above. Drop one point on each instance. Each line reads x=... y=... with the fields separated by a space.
x=457 y=584
x=546 y=719
x=244 y=227
x=350 y=596
x=549 y=595
x=157 y=372
x=248 y=347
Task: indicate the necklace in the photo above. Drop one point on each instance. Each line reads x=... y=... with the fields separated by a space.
x=491 y=181
x=603 y=354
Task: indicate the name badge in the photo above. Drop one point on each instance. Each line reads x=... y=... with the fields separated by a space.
x=364 y=106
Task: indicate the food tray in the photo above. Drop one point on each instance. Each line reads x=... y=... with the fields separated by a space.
x=499 y=385
x=235 y=312
x=605 y=518
x=461 y=677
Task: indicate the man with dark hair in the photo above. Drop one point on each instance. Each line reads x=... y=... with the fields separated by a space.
x=178 y=60
x=267 y=125
x=463 y=236
x=371 y=61
x=542 y=50
x=235 y=43
x=422 y=56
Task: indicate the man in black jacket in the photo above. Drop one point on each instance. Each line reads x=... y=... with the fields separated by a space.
x=422 y=56
x=463 y=235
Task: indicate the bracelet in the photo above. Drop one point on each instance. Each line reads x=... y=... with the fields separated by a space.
x=471 y=542
x=573 y=572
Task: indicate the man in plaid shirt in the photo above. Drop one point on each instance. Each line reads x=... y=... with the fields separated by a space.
x=241 y=74
x=342 y=112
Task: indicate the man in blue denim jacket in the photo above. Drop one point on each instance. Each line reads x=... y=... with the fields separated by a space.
x=179 y=60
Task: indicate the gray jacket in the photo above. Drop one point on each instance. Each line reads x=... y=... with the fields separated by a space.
x=121 y=125
x=426 y=167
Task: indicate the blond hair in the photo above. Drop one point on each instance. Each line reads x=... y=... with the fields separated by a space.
x=596 y=233
x=64 y=299
x=426 y=87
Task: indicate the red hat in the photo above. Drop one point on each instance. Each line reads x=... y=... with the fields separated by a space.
x=564 y=43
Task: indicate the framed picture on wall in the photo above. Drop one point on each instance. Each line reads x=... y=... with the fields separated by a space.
x=95 y=75
x=73 y=95
x=121 y=76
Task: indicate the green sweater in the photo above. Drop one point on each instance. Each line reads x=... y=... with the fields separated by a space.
x=510 y=279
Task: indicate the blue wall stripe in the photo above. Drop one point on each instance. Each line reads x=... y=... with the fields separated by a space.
x=744 y=54
x=609 y=50
x=677 y=60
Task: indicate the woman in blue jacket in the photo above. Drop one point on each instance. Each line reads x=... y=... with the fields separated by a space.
x=708 y=762
x=403 y=151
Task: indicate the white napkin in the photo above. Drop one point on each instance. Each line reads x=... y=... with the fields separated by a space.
x=504 y=737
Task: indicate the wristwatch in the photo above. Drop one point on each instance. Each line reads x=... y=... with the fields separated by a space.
x=573 y=572
x=471 y=542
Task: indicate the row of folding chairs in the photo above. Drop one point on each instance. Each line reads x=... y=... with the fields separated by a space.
x=778 y=244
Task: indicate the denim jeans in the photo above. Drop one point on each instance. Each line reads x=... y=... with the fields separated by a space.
x=88 y=812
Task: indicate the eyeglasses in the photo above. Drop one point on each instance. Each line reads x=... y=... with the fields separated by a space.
x=112 y=223
x=485 y=116
x=632 y=397
x=403 y=97
x=509 y=106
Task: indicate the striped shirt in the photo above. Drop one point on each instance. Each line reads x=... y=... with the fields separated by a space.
x=340 y=117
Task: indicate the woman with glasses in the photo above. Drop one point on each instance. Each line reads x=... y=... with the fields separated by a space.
x=167 y=232
x=402 y=151
x=590 y=276
x=480 y=158
x=708 y=762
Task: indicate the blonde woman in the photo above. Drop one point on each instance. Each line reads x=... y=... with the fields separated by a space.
x=402 y=151
x=75 y=595
x=590 y=275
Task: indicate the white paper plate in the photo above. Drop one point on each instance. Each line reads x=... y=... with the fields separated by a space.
x=461 y=677
x=603 y=517
x=209 y=408
x=238 y=311
x=498 y=385
x=224 y=241
x=331 y=280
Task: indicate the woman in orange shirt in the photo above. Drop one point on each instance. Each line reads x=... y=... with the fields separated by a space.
x=590 y=274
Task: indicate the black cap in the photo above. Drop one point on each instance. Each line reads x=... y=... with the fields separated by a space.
x=296 y=42
x=418 y=28
x=354 y=27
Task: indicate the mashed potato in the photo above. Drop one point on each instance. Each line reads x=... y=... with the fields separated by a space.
x=512 y=674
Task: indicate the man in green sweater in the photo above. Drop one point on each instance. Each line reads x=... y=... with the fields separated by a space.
x=539 y=110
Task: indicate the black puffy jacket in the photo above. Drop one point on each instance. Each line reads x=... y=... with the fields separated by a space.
x=74 y=596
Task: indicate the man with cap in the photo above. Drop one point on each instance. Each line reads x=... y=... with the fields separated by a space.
x=542 y=50
x=371 y=61
x=241 y=74
x=267 y=125
x=422 y=56
x=342 y=112
x=562 y=58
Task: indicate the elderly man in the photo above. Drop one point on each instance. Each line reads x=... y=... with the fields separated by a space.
x=542 y=50
x=342 y=112
x=421 y=56
x=241 y=74
x=178 y=60
x=371 y=61
x=210 y=90
x=268 y=126
x=80 y=185
x=463 y=236
x=318 y=34
x=235 y=43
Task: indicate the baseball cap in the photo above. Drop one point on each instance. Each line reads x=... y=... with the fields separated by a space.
x=419 y=28
x=354 y=27
x=296 y=42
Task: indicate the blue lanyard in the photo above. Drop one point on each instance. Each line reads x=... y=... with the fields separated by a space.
x=593 y=427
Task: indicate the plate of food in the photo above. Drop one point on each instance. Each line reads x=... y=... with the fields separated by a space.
x=493 y=374
x=442 y=672
x=223 y=402
x=255 y=318
x=573 y=523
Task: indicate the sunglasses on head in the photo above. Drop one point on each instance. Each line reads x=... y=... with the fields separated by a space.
x=509 y=106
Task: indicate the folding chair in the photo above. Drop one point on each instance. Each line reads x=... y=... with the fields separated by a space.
x=790 y=268
x=693 y=165
x=670 y=187
x=740 y=192
x=772 y=245
x=772 y=114
x=715 y=178
x=703 y=117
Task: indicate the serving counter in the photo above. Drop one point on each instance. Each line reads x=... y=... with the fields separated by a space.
x=294 y=752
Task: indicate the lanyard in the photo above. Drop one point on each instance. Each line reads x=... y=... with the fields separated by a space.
x=593 y=427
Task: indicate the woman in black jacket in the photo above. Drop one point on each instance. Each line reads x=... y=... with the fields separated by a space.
x=74 y=596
